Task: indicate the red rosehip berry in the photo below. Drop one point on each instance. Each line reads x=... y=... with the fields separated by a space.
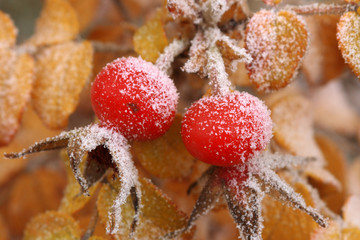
x=227 y=130
x=135 y=98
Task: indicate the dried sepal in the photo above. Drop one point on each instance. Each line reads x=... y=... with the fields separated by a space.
x=184 y=9
x=277 y=43
x=52 y=225
x=16 y=77
x=245 y=208
x=150 y=39
x=293 y=129
x=283 y=222
x=348 y=35
x=8 y=31
x=62 y=71
x=164 y=156
x=57 y=23
x=283 y=192
x=197 y=55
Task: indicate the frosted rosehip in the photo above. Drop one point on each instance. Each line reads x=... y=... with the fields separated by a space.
x=135 y=98
x=227 y=130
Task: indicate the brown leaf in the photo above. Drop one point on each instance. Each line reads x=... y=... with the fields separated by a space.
x=337 y=232
x=158 y=214
x=4 y=232
x=52 y=225
x=31 y=194
x=62 y=71
x=8 y=31
x=57 y=23
x=283 y=222
x=16 y=77
x=293 y=128
x=323 y=62
x=277 y=43
x=348 y=35
x=86 y=11
x=150 y=39
x=165 y=157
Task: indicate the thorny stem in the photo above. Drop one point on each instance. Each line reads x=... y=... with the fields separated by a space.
x=322 y=8
x=175 y=48
x=219 y=83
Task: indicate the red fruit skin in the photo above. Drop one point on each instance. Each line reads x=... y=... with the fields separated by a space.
x=135 y=98
x=227 y=130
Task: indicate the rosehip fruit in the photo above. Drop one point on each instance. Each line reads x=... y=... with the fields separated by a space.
x=227 y=130
x=135 y=98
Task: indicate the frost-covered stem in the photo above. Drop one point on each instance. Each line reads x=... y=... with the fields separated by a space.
x=110 y=47
x=215 y=67
x=91 y=226
x=322 y=8
x=170 y=52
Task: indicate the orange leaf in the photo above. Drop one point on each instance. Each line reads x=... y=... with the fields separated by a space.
x=348 y=34
x=16 y=77
x=277 y=43
x=4 y=232
x=283 y=222
x=52 y=225
x=57 y=23
x=158 y=214
x=150 y=39
x=86 y=11
x=293 y=128
x=164 y=156
x=8 y=31
x=62 y=71
x=323 y=62
x=32 y=194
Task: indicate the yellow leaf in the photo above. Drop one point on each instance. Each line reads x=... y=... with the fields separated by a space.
x=283 y=222
x=348 y=34
x=57 y=23
x=52 y=226
x=8 y=31
x=62 y=71
x=277 y=42
x=165 y=157
x=16 y=77
x=150 y=39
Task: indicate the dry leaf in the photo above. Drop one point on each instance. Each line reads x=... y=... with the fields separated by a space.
x=333 y=110
x=158 y=214
x=353 y=177
x=293 y=128
x=323 y=62
x=150 y=39
x=57 y=23
x=31 y=194
x=86 y=11
x=8 y=31
x=348 y=34
x=16 y=77
x=52 y=225
x=165 y=157
x=62 y=71
x=351 y=211
x=283 y=222
x=277 y=43
x=337 y=232
x=4 y=232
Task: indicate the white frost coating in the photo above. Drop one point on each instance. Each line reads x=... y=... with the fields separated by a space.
x=197 y=54
x=214 y=9
x=215 y=67
x=184 y=8
x=170 y=52
x=348 y=36
x=140 y=83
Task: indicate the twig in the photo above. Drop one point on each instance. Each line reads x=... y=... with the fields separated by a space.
x=110 y=47
x=321 y=8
